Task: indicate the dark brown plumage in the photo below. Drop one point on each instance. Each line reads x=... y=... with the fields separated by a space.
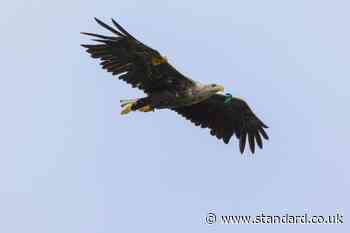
x=123 y=54
x=145 y=68
x=227 y=119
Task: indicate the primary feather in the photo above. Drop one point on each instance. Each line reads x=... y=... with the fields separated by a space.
x=143 y=67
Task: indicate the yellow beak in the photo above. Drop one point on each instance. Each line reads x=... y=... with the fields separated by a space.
x=219 y=88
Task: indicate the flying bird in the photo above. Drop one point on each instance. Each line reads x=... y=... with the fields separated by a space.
x=166 y=88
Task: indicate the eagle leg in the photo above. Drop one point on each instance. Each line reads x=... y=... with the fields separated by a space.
x=135 y=104
x=126 y=109
x=127 y=105
x=146 y=108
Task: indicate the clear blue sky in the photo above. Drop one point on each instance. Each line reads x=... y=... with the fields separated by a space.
x=70 y=163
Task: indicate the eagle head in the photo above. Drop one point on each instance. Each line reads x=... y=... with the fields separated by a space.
x=213 y=88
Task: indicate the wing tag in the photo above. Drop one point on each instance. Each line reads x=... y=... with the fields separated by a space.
x=158 y=60
x=228 y=98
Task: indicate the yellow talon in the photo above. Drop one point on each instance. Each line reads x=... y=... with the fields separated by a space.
x=146 y=108
x=127 y=109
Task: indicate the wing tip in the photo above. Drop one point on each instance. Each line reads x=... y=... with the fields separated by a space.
x=106 y=26
x=251 y=143
x=242 y=142
x=97 y=20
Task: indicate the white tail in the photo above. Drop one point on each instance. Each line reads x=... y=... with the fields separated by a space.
x=128 y=101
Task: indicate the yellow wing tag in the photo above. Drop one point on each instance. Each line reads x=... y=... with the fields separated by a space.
x=158 y=60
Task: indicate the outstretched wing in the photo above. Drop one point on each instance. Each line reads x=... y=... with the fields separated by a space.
x=227 y=119
x=135 y=62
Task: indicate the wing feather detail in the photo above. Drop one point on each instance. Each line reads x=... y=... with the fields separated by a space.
x=122 y=53
x=227 y=119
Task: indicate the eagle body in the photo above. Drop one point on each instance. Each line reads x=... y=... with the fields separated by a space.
x=166 y=88
x=173 y=99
